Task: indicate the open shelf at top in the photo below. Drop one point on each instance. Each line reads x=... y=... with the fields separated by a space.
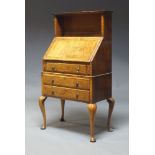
x=84 y=23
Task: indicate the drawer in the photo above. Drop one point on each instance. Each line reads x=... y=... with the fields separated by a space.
x=66 y=81
x=67 y=68
x=66 y=93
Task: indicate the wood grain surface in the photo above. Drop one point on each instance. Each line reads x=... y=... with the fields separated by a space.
x=73 y=48
x=78 y=63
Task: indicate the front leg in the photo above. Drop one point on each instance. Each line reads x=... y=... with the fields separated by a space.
x=62 y=110
x=42 y=108
x=111 y=102
x=92 y=110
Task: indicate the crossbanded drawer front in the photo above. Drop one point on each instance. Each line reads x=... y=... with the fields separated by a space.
x=66 y=81
x=66 y=93
x=67 y=68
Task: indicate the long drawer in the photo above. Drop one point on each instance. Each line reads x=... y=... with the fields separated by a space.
x=81 y=69
x=66 y=81
x=66 y=93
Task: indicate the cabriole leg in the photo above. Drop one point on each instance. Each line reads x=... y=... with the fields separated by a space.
x=111 y=102
x=42 y=108
x=92 y=110
x=62 y=110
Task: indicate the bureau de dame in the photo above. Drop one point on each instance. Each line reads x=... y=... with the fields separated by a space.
x=78 y=63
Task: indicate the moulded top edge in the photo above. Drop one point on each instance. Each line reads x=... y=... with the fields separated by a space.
x=82 y=12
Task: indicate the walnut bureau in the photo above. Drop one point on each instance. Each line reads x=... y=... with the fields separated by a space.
x=78 y=63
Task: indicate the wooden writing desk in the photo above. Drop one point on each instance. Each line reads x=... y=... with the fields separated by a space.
x=78 y=63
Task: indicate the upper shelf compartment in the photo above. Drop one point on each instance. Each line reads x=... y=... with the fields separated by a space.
x=84 y=23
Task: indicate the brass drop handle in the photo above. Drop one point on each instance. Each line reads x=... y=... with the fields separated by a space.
x=53 y=68
x=77 y=84
x=77 y=96
x=78 y=69
x=52 y=92
x=52 y=82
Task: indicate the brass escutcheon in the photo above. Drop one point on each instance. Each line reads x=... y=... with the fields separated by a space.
x=77 y=84
x=52 y=92
x=52 y=82
x=78 y=69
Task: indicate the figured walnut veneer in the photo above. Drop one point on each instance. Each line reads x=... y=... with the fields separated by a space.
x=78 y=63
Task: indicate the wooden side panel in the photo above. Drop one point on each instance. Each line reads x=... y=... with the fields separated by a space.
x=58 y=26
x=102 y=62
x=108 y=27
x=103 y=59
x=102 y=25
x=102 y=87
